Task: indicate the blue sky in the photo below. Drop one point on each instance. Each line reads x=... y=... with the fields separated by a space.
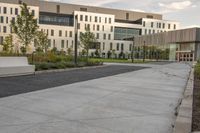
x=185 y=11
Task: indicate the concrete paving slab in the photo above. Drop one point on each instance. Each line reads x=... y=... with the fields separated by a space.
x=135 y=102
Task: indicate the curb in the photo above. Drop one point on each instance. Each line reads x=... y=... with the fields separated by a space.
x=68 y=69
x=183 y=123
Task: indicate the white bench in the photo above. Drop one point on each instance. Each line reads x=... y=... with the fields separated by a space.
x=15 y=66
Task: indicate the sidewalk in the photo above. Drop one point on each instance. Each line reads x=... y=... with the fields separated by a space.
x=142 y=101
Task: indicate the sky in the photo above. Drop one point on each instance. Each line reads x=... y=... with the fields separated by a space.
x=187 y=12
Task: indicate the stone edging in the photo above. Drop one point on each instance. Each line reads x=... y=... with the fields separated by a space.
x=68 y=69
x=183 y=123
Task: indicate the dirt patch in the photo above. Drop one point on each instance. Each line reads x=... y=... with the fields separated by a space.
x=196 y=106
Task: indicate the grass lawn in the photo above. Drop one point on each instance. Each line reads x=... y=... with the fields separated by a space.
x=118 y=60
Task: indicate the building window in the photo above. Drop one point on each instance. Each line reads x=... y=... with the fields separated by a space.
x=159 y=25
x=144 y=24
x=98 y=27
x=110 y=20
x=149 y=31
x=86 y=18
x=52 y=32
x=1 y=39
x=109 y=36
x=20 y=2
x=58 y=8
x=6 y=19
x=104 y=36
x=4 y=10
x=60 y=33
x=66 y=34
x=169 y=26
x=90 y=18
x=78 y=26
x=102 y=27
x=127 y=16
x=94 y=27
x=103 y=45
x=16 y=11
x=96 y=19
x=81 y=17
x=99 y=19
x=83 y=9
x=67 y=42
x=163 y=25
x=117 y=47
x=130 y=47
x=122 y=47
x=151 y=24
x=33 y=12
x=111 y=46
x=97 y=36
x=111 y=29
x=145 y=32
x=49 y=42
x=11 y=10
x=4 y=29
x=62 y=43
x=174 y=26
x=70 y=34
x=54 y=43
x=2 y=20
x=105 y=20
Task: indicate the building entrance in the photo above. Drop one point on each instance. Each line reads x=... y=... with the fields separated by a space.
x=184 y=56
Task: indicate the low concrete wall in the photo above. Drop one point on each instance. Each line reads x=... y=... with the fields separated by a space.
x=183 y=122
x=15 y=66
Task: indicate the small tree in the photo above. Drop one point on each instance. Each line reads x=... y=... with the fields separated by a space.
x=8 y=44
x=25 y=27
x=87 y=40
x=42 y=41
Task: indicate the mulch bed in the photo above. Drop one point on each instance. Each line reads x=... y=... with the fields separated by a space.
x=196 y=106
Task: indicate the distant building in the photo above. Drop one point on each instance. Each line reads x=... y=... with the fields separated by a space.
x=184 y=45
x=113 y=28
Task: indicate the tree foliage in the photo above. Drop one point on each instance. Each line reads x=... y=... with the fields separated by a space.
x=8 y=44
x=41 y=41
x=87 y=40
x=25 y=26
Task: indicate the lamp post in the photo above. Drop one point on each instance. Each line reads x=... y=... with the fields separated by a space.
x=76 y=41
x=144 y=54
x=132 y=51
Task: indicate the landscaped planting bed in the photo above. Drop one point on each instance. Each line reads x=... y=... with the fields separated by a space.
x=196 y=100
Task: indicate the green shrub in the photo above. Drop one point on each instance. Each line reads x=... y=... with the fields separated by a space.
x=197 y=70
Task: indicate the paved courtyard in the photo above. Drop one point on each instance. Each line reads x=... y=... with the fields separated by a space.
x=141 y=101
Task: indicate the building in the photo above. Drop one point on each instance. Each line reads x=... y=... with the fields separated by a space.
x=184 y=44
x=113 y=28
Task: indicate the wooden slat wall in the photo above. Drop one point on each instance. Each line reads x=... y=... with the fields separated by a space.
x=178 y=36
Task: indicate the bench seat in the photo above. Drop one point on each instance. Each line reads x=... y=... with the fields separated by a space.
x=15 y=66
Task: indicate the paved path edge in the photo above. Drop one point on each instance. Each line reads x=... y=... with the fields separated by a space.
x=183 y=123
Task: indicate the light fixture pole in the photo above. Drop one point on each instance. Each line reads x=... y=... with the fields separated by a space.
x=76 y=41
x=132 y=51
x=144 y=54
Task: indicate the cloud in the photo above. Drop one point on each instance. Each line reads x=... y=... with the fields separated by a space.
x=175 y=6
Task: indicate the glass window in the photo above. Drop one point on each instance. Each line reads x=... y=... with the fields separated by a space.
x=111 y=46
x=151 y=24
x=97 y=36
x=11 y=10
x=16 y=11
x=81 y=17
x=4 y=29
x=70 y=34
x=110 y=20
x=96 y=19
x=98 y=27
x=62 y=43
x=122 y=47
x=60 y=33
x=4 y=10
x=86 y=18
x=117 y=47
x=52 y=32
x=104 y=36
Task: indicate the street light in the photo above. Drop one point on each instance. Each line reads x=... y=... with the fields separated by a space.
x=76 y=41
x=132 y=52
x=144 y=54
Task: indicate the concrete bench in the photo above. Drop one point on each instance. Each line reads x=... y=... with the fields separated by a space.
x=15 y=66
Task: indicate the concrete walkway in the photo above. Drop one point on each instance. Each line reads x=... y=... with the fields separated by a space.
x=142 y=101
